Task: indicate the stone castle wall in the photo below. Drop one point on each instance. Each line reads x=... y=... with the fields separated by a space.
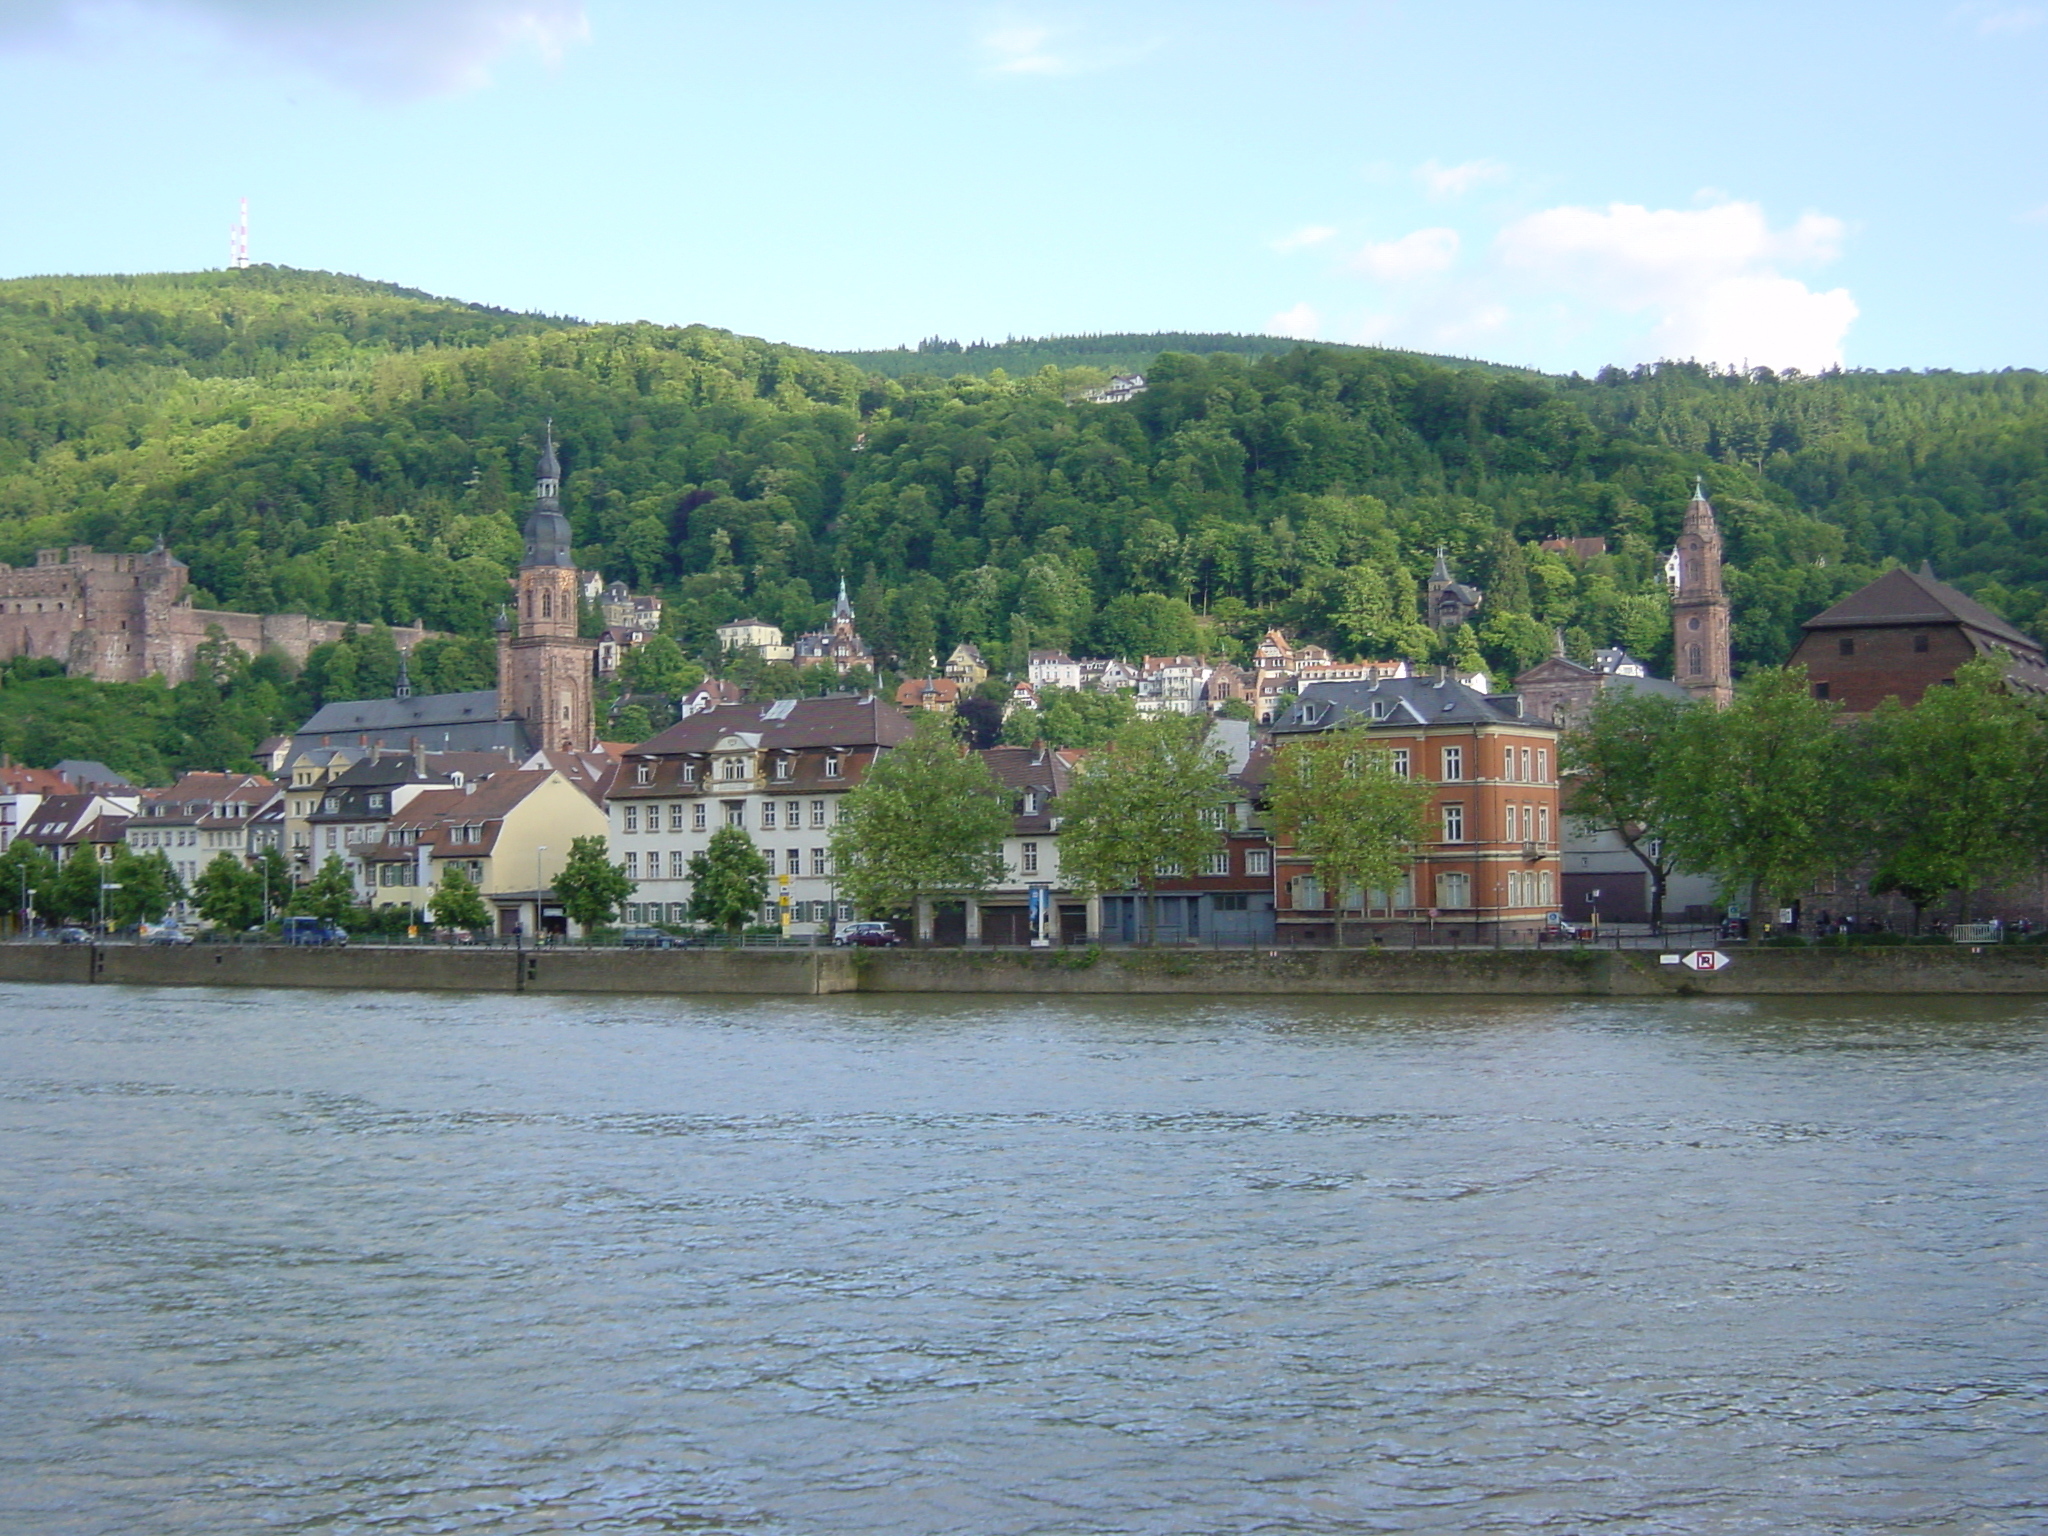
x=121 y=618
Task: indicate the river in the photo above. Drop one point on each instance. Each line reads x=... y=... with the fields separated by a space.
x=353 y=1263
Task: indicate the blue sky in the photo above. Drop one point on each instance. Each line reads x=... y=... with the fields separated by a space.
x=1558 y=184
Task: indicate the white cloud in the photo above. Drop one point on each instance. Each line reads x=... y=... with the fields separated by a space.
x=2002 y=20
x=390 y=48
x=1706 y=277
x=1444 y=182
x=1022 y=50
x=1413 y=255
x=1306 y=236
x=1015 y=47
x=1300 y=322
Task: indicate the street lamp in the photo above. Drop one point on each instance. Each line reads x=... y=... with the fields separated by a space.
x=538 y=885
x=104 y=888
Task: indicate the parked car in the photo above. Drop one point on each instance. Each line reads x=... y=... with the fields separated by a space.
x=1733 y=930
x=1557 y=930
x=313 y=930
x=70 y=935
x=169 y=933
x=649 y=938
x=875 y=934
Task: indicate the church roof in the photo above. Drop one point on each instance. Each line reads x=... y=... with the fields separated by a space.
x=423 y=711
x=1904 y=597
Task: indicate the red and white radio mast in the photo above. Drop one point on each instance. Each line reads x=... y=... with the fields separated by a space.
x=238 y=239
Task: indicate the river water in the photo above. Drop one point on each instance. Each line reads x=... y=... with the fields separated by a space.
x=353 y=1263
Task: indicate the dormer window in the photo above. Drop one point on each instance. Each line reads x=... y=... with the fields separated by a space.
x=732 y=768
x=689 y=773
x=832 y=766
x=784 y=767
x=1030 y=802
x=643 y=773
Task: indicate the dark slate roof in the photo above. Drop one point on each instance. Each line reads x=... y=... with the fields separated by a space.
x=1904 y=597
x=422 y=712
x=1397 y=702
x=89 y=774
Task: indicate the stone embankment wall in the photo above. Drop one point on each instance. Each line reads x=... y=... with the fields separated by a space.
x=1080 y=972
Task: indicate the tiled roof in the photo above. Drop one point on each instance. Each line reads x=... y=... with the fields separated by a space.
x=1410 y=702
x=841 y=721
x=1904 y=597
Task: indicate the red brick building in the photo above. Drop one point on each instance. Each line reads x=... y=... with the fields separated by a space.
x=1492 y=868
x=1905 y=633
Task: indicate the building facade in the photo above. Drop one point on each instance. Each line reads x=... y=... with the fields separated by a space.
x=1491 y=867
x=777 y=771
x=1905 y=633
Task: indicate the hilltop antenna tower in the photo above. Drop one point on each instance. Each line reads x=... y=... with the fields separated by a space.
x=238 y=239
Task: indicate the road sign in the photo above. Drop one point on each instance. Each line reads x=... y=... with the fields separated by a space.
x=1705 y=960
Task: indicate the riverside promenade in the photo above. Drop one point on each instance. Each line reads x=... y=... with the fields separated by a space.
x=1901 y=971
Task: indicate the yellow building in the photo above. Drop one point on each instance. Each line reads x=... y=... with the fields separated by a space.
x=509 y=833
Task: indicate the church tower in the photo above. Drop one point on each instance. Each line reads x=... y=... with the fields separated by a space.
x=1699 y=608
x=545 y=671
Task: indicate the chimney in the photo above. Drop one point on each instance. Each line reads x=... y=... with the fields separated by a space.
x=419 y=759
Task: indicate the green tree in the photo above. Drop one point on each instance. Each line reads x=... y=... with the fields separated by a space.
x=330 y=895
x=926 y=823
x=728 y=880
x=28 y=879
x=149 y=887
x=76 y=890
x=1626 y=774
x=456 y=902
x=1337 y=798
x=658 y=665
x=590 y=886
x=229 y=893
x=1956 y=788
x=1765 y=806
x=1147 y=804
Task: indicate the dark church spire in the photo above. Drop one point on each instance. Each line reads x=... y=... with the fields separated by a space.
x=547 y=530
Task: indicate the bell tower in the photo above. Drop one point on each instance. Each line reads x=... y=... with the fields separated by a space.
x=545 y=670
x=1699 y=608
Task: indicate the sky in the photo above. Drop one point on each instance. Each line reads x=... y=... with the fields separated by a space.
x=1563 y=184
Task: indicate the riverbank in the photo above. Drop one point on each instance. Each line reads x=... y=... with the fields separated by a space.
x=1904 y=971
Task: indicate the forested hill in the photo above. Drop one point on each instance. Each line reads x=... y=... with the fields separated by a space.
x=362 y=451
x=1117 y=354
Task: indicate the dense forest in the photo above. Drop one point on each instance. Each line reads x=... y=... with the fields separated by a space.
x=361 y=451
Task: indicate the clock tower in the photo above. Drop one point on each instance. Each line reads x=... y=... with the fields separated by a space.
x=546 y=670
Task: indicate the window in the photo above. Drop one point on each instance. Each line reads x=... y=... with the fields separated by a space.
x=678 y=865
x=817 y=813
x=1028 y=861
x=643 y=773
x=1217 y=863
x=1030 y=802
x=1542 y=823
x=1820 y=690
x=1213 y=816
x=1508 y=764
x=1454 y=889
x=1513 y=820
x=689 y=773
x=1454 y=764
x=1845 y=646
x=633 y=866
x=736 y=814
x=675 y=817
x=732 y=767
x=784 y=767
x=1400 y=755
x=679 y=912
x=632 y=818
x=1692 y=658
x=1258 y=861
x=1304 y=893
x=796 y=861
x=767 y=815
x=1546 y=889
x=821 y=861
x=1454 y=824
x=1543 y=765
x=832 y=766
x=376 y=802
x=1920 y=642
x=1230 y=901
x=1165 y=871
x=1525 y=763
x=700 y=814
